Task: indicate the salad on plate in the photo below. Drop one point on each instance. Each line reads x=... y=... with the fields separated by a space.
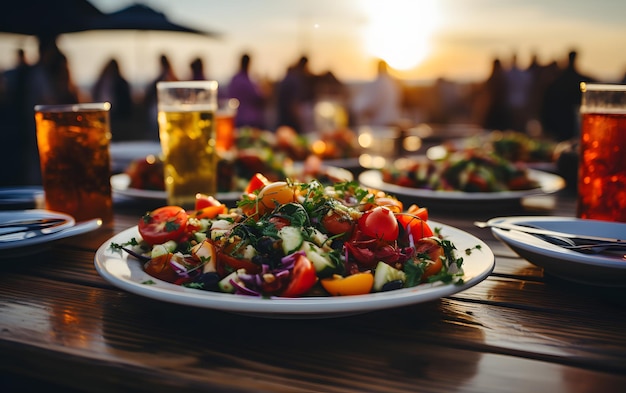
x=296 y=239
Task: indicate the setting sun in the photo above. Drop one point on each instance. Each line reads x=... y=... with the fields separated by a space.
x=399 y=31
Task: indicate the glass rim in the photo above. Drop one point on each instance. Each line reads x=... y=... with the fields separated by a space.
x=204 y=84
x=84 y=106
x=584 y=86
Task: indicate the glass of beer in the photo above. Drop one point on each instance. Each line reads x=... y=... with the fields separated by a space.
x=225 y=124
x=187 y=133
x=73 y=142
x=602 y=170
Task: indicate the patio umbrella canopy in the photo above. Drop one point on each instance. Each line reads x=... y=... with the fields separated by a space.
x=139 y=17
x=48 y=18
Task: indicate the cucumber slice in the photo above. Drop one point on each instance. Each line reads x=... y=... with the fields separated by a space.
x=225 y=284
x=384 y=274
x=323 y=264
x=292 y=239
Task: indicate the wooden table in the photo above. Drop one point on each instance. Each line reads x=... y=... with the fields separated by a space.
x=62 y=325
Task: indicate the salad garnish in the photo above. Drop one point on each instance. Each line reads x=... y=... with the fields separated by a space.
x=293 y=239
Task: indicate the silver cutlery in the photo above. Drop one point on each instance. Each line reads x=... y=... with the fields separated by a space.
x=47 y=225
x=547 y=232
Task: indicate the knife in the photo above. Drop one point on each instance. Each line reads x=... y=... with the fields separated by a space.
x=547 y=232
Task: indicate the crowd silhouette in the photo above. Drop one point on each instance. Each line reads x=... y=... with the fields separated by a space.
x=541 y=100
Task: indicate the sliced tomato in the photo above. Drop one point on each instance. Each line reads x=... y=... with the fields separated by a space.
x=161 y=268
x=163 y=224
x=337 y=222
x=203 y=200
x=302 y=278
x=379 y=223
x=210 y=211
x=356 y=284
x=414 y=225
x=227 y=264
x=420 y=212
x=257 y=182
x=273 y=194
x=431 y=248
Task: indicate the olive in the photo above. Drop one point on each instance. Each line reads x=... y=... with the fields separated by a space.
x=392 y=285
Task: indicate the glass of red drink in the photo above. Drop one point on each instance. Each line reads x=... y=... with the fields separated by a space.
x=602 y=169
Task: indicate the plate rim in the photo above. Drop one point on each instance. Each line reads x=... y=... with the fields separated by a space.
x=550 y=183
x=547 y=249
x=105 y=259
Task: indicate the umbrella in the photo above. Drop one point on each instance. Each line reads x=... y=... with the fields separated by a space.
x=139 y=17
x=48 y=18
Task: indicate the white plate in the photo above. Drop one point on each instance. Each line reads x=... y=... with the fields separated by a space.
x=15 y=198
x=127 y=273
x=595 y=269
x=120 y=184
x=123 y=153
x=549 y=183
x=33 y=242
x=27 y=238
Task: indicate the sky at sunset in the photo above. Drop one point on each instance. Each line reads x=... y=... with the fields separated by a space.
x=420 y=39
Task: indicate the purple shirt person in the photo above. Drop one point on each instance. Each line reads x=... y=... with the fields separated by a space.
x=251 y=111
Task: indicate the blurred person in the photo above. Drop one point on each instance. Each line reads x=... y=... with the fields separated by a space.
x=49 y=82
x=379 y=103
x=295 y=96
x=560 y=117
x=252 y=100
x=197 y=70
x=112 y=87
x=495 y=91
x=15 y=116
x=166 y=74
x=517 y=95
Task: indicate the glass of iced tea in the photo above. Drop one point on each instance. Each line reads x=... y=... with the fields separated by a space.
x=187 y=133
x=225 y=124
x=602 y=170
x=73 y=142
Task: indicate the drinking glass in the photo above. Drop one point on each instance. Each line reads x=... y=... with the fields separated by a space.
x=225 y=124
x=73 y=143
x=187 y=132
x=602 y=169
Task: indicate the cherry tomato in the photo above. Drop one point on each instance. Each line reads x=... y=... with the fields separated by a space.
x=379 y=223
x=257 y=182
x=278 y=192
x=356 y=284
x=337 y=222
x=163 y=224
x=303 y=277
x=432 y=248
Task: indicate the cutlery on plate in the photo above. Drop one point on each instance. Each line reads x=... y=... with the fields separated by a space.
x=547 y=232
x=45 y=225
x=35 y=222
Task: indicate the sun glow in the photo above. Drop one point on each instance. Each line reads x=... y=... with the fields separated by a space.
x=399 y=31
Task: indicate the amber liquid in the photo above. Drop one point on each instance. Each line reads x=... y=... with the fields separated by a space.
x=225 y=131
x=189 y=155
x=602 y=170
x=75 y=163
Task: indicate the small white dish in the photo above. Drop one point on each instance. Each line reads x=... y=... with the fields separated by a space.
x=595 y=269
x=548 y=183
x=127 y=273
